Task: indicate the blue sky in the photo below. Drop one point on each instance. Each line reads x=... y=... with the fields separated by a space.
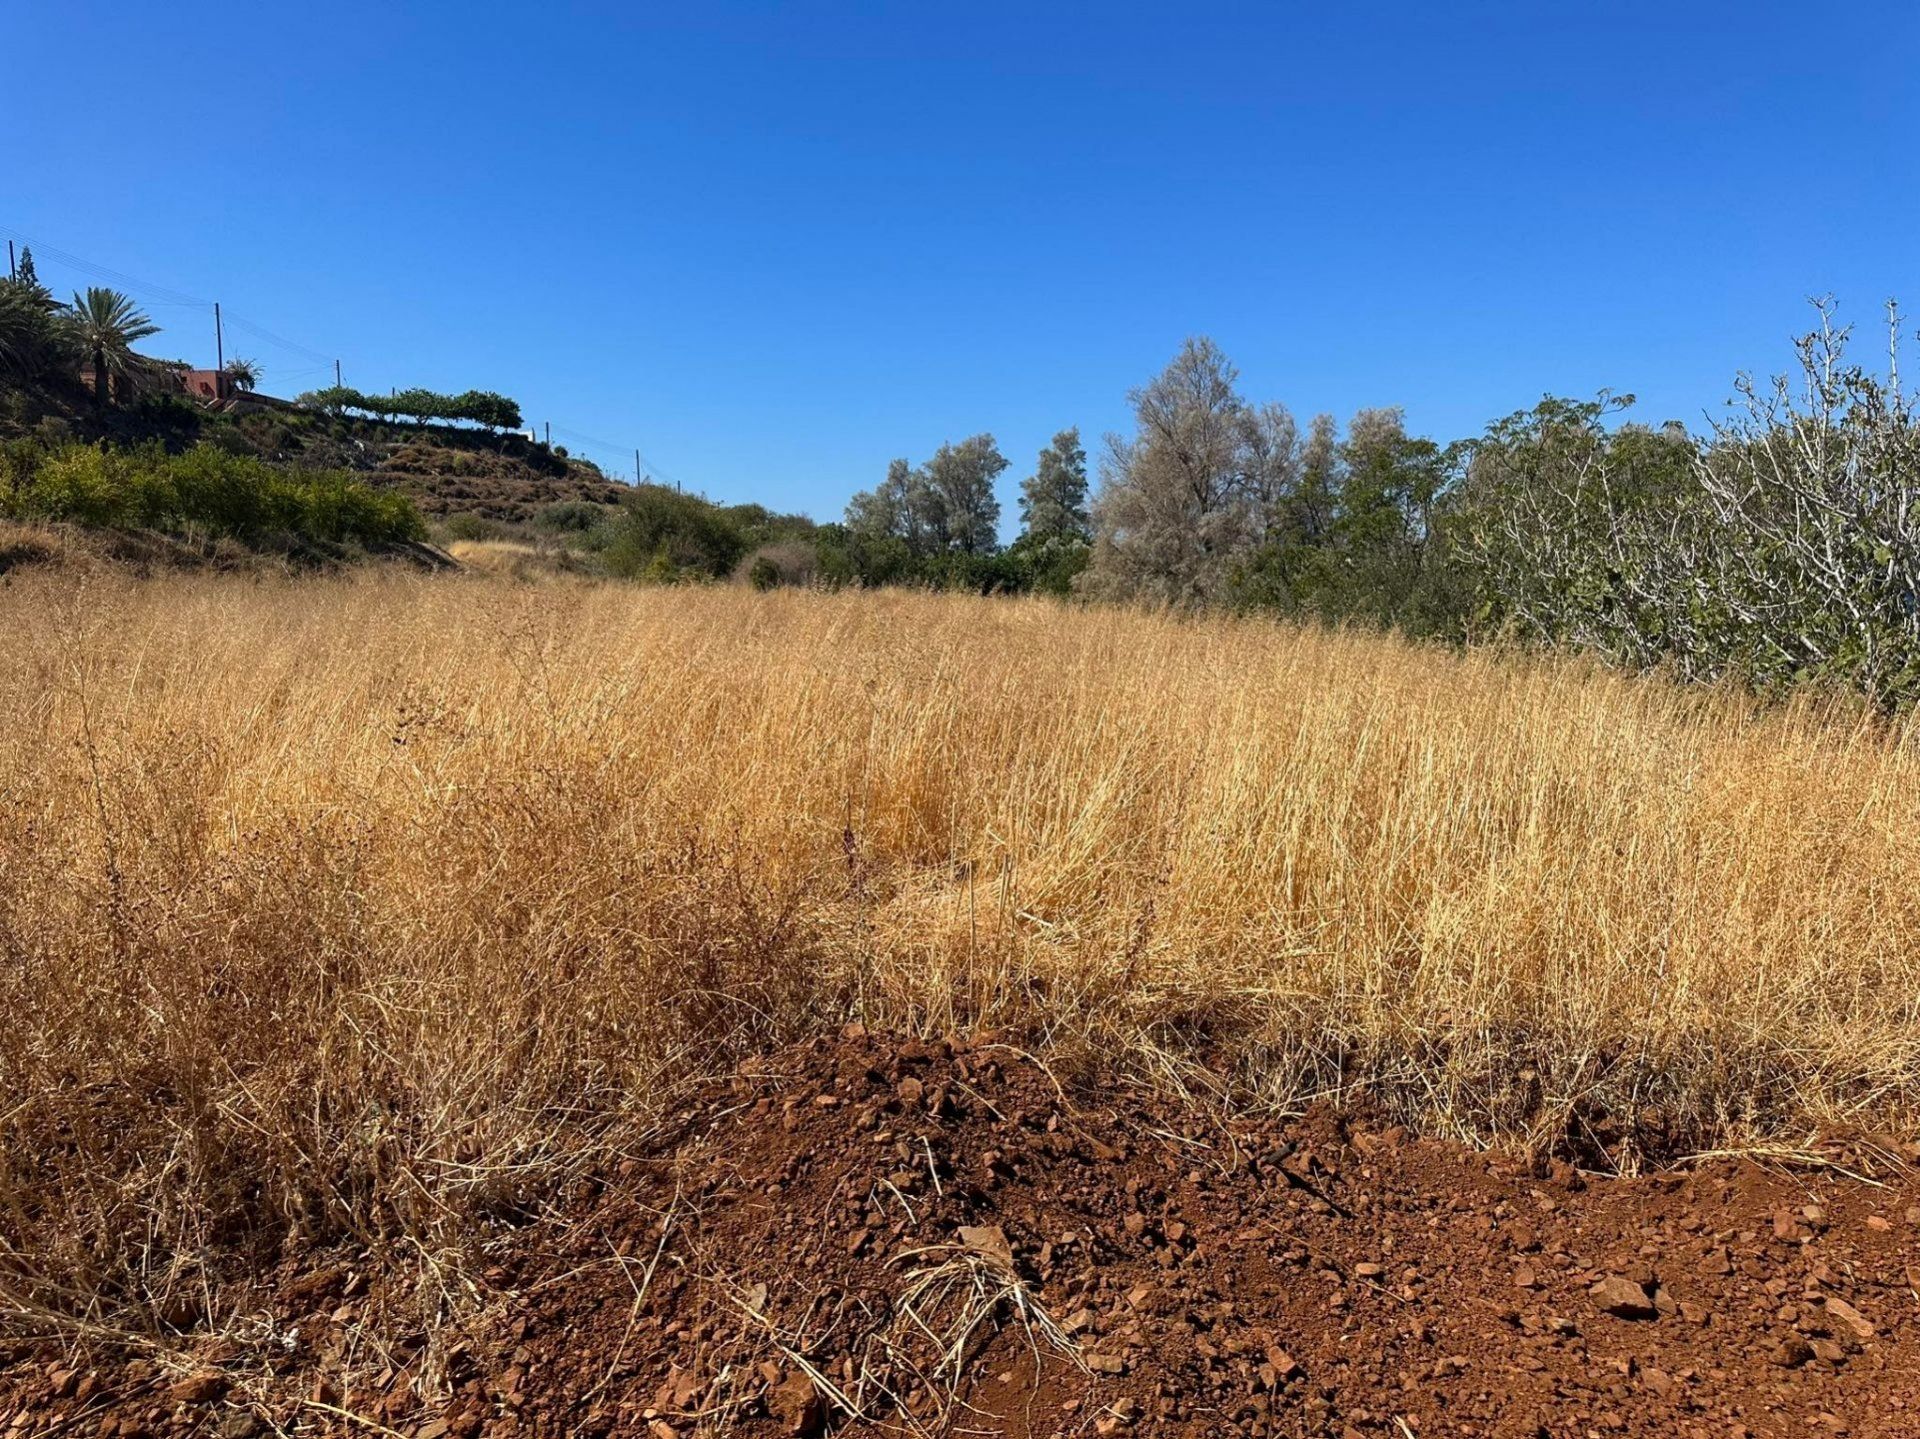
x=774 y=245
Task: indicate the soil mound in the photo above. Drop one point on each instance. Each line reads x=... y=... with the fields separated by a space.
x=868 y=1237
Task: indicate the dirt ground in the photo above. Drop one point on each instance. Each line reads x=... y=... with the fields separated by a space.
x=865 y=1237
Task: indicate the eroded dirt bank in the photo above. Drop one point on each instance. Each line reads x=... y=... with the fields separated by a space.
x=865 y=1237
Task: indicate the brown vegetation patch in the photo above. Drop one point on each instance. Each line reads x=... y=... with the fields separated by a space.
x=472 y=479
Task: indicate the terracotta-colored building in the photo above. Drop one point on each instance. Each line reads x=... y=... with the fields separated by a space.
x=207 y=386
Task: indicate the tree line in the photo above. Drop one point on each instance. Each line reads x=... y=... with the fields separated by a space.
x=480 y=407
x=1778 y=546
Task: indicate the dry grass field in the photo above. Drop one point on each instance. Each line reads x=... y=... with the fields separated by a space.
x=378 y=906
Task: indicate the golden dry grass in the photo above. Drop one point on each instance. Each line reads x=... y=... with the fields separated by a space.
x=379 y=905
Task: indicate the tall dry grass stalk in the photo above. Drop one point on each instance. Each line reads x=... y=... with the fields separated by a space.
x=380 y=906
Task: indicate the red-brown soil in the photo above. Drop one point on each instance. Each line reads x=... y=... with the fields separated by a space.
x=864 y=1237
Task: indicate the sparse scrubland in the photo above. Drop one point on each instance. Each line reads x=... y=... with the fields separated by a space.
x=964 y=1002
x=376 y=907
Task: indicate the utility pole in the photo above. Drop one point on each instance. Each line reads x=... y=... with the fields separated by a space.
x=636 y=467
x=549 y=425
x=336 y=374
x=219 y=341
x=12 y=274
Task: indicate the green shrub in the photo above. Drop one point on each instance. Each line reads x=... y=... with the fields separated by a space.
x=73 y=485
x=572 y=517
x=684 y=531
x=471 y=527
x=206 y=490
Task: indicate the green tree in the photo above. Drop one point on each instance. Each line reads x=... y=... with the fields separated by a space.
x=886 y=510
x=1053 y=499
x=103 y=325
x=944 y=506
x=960 y=479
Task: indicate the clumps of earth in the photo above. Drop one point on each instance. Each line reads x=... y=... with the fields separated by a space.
x=864 y=1236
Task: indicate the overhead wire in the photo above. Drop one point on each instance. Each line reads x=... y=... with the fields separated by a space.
x=164 y=295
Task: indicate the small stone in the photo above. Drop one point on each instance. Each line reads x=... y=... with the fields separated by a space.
x=1622 y=1298
x=1285 y=1366
x=1121 y=1413
x=797 y=1406
x=204 y=1387
x=1106 y=1364
x=1879 y=1223
x=1861 y=1326
x=988 y=1241
x=1791 y=1352
x=1368 y=1271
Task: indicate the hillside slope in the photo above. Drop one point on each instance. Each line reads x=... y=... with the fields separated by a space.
x=446 y=470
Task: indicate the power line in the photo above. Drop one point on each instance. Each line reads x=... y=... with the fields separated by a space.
x=103 y=272
x=162 y=295
x=622 y=450
x=259 y=332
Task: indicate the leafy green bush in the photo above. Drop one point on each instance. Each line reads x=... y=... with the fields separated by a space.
x=572 y=517
x=204 y=490
x=663 y=531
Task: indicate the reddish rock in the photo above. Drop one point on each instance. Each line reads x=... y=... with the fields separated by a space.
x=1623 y=1298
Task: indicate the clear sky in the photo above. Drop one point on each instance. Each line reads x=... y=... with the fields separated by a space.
x=774 y=245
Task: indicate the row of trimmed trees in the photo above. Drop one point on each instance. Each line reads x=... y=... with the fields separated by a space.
x=479 y=407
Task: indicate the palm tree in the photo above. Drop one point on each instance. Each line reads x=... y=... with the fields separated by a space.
x=245 y=374
x=104 y=324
